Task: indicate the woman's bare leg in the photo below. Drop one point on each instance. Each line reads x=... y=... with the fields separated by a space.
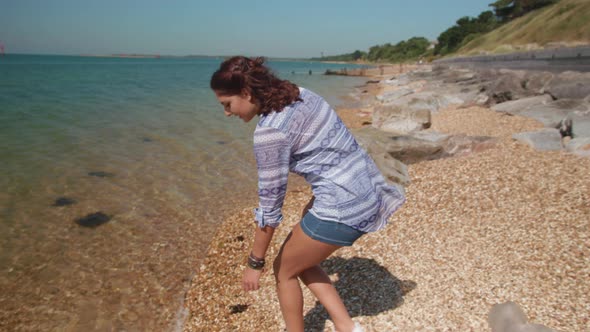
x=321 y=286
x=298 y=254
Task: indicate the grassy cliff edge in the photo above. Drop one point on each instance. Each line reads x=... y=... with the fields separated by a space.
x=566 y=23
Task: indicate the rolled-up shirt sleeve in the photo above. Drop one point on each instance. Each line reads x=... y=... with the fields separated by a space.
x=272 y=150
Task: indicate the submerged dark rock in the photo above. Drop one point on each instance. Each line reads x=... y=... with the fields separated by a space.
x=63 y=201
x=147 y=139
x=101 y=174
x=93 y=220
x=221 y=142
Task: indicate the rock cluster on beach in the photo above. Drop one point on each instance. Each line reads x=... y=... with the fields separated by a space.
x=561 y=102
x=403 y=111
x=488 y=220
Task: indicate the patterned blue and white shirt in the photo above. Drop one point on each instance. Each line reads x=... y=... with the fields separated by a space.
x=309 y=139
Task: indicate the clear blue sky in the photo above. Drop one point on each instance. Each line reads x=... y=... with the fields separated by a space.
x=276 y=28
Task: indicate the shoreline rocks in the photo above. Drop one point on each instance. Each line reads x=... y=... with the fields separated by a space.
x=559 y=101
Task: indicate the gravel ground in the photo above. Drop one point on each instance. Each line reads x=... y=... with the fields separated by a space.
x=505 y=224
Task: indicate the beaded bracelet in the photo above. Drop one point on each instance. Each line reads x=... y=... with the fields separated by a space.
x=255 y=263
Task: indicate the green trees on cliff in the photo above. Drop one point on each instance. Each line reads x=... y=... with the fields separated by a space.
x=405 y=50
x=507 y=10
x=467 y=28
x=402 y=51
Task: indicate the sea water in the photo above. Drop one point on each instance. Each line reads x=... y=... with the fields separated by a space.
x=139 y=147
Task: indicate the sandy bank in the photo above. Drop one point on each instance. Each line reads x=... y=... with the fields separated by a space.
x=506 y=224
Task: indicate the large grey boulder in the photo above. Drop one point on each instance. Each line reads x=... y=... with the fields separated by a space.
x=399 y=119
x=433 y=101
x=545 y=139
x=576 y=124
x=393 y=170
x=507 y=86
x=375 y=142
x=520 y=105
x=537 y=82
x=471 y=97
x=404 y=148
x=458 y=76
x=452 y=94
x=579 y=146
x=432 y=136
x=503 y=85
x=488 y=75
x=408 y=113
x=572 y=85
x=411 y=112
x=509 y=317
x=419 y=146
x=452 y=74
x=389 y=96
x=462 y=145
x=456 y=145
x=399 y=80
x=551 y=114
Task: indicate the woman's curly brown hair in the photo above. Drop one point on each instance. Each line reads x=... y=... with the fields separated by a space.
x=239 y=74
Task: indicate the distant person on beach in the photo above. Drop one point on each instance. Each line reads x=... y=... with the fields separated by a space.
x=299 y=132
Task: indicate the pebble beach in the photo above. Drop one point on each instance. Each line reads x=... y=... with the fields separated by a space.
x=508 y=223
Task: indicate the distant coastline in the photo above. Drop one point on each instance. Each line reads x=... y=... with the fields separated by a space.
x=149 y=56
x=134 y=56
x=192 y=56
x=158 y=56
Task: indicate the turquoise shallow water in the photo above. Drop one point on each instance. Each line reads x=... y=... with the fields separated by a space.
x=170 y=163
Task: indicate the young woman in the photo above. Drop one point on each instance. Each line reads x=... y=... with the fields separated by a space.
x=299 y=132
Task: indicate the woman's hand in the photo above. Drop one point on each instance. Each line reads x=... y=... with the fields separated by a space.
x=251 y=278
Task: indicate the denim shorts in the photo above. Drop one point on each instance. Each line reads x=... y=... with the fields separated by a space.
x=329 y=232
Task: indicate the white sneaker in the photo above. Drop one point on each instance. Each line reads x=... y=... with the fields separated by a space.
x=358 y=328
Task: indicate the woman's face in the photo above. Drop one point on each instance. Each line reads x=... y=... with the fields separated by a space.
x=238 y=105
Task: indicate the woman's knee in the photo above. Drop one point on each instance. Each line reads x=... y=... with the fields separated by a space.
x=314 y=274
x=281 y=270
x=276 y=266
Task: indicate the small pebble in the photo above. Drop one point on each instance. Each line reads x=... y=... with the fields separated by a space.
x=238 y=308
